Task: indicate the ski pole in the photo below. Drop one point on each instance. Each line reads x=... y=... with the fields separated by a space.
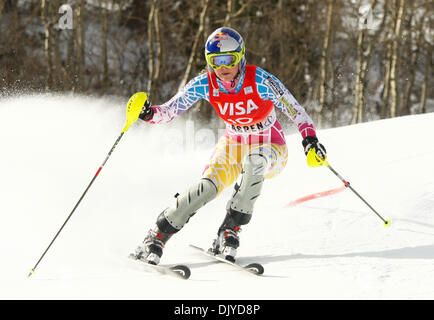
x=314 y=160
x=347 y=184
x=135 y=105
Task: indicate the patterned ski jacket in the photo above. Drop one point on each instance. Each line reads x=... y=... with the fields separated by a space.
x=248 y=116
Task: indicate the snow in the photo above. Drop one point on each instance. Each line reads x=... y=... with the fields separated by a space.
x=328 y=248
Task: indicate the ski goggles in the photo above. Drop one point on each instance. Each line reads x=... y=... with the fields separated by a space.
x=224 y=59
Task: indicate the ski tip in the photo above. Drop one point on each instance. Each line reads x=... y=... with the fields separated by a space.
x=255 y=268
x=182 y=270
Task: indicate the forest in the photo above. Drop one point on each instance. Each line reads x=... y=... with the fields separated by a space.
x=345 y=61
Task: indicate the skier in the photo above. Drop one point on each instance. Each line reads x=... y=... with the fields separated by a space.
x=251 y=149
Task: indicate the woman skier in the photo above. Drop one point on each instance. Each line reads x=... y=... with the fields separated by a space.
x=251 y=149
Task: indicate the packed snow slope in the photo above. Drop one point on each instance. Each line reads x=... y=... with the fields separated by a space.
x=333 y=247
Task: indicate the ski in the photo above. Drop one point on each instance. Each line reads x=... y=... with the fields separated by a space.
x=179 y=271
x=253 y=268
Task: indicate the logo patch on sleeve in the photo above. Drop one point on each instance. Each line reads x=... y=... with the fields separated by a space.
x=274 y=86
x=288 y=106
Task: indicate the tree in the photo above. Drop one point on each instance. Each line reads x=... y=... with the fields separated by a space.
x=194 y=49
x=367 y=41
x=79 y=46
x=415 y=44
x=48 y=23
x=399 y=6
x=325 y=60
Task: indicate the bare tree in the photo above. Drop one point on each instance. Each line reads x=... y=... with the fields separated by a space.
x=415 y=39
x=229 y=12
x=428 y=68
x=47 y=44
x=151 y=46
x=58 y=74
x=386 y=81
x=70 y=61
x=79 y=46
x=199 y=32
x=159 y=53
x=155 y=55
x=104 y=56
x=325 y=58
x=2 y=5
x=366 y=43
x=399 y=6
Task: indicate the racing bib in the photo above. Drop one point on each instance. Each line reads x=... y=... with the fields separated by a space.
x=244 y=111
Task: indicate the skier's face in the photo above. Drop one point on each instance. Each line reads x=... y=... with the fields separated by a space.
x=227 y=74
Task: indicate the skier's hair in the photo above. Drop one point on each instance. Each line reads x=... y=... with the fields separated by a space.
x=204 y=70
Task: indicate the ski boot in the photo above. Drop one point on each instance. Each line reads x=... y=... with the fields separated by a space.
x=228 y=239
x=226 y=243
x=152 y=247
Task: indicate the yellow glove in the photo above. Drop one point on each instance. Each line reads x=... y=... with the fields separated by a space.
x=316 y=154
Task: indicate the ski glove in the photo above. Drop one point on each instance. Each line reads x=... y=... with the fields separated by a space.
x=315 y=151
x=147 y=112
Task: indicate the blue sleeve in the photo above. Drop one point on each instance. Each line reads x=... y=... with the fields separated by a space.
x=196 y=89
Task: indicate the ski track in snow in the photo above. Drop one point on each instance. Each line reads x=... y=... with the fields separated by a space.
x=328 y=248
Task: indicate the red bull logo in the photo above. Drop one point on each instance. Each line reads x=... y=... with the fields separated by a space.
x=220 y=36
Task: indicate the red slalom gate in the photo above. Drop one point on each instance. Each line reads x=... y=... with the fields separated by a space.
x=315 y=196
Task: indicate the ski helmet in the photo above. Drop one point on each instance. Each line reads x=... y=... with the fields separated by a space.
x=223 y=40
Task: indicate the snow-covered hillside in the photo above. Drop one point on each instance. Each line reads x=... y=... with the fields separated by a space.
x=328 y=248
